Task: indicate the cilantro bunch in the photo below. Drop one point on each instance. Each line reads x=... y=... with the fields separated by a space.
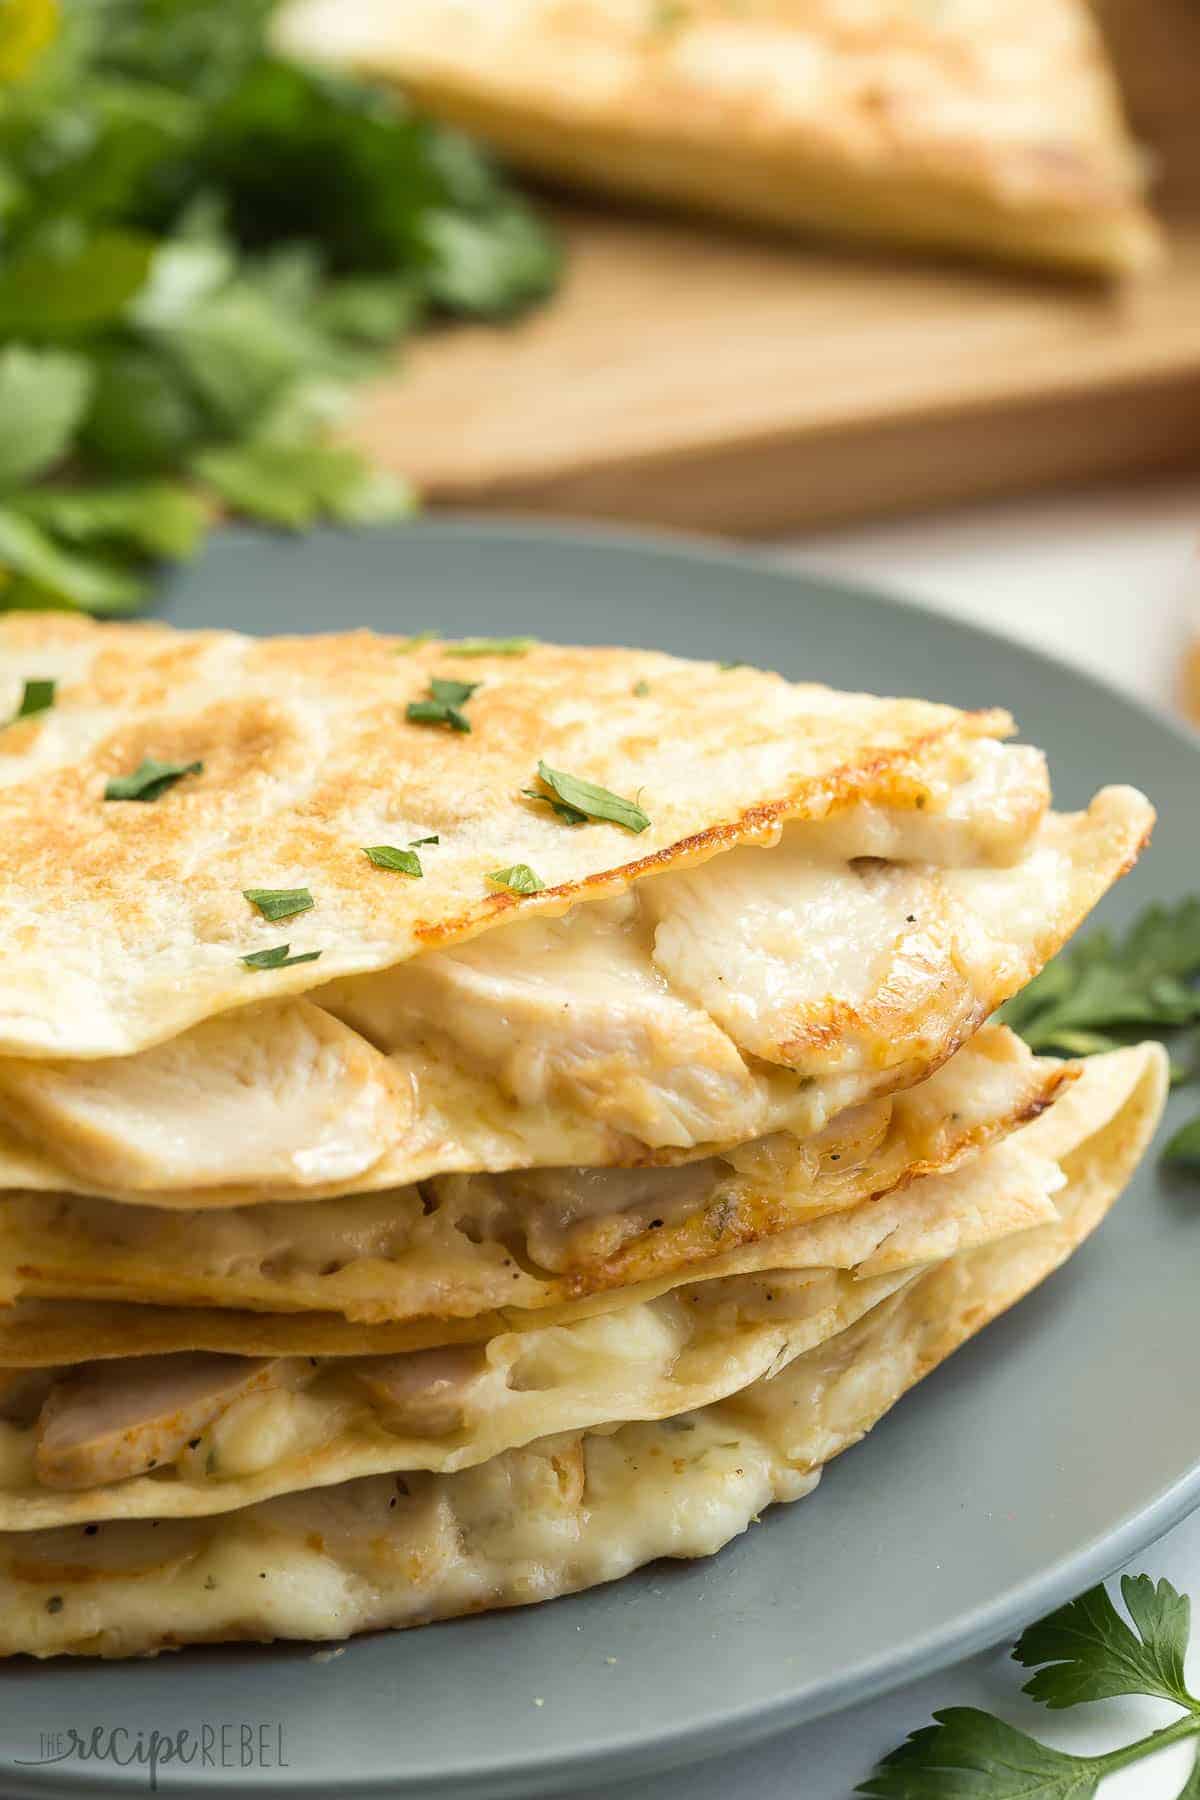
x=1084 y=1651
x=1108 y=991
x=202 y=245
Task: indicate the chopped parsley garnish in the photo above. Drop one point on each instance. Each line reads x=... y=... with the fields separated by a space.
x=444 y=704
x=570 y=815
x=513 y=646
x=641 y=689
x=38 y=697
x=149 y=779
x=279 y=903
x=593 y=802
x=406 y=646
x=401 y=862
x=415 y=843
x=1085 y=1651
x=451 y=693
x=519 y=879
x=278 y=957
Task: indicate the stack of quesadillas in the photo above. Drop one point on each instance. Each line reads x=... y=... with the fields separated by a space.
x=476 y=1117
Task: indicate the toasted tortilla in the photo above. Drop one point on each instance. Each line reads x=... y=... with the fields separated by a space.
x=768 y=990
x=471 y=1246
x=573 y=1510
x=125 y=922
x=994 y=129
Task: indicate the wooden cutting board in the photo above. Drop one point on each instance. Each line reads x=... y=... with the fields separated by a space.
x=689 y=375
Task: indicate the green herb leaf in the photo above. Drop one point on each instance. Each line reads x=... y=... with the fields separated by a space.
x=443 y=707
x=513 y=646
x=72 y=283
x=1184 y=1147
x=143 y=415
x=415 y=843
x=44 y=396
x=1091 y=1653
x=519 y=879
x=433 y=712
x=641 y=689
x=279 y=903
x=149 y=779
x=278 y=957
x=294 y=485
x=595 y=802
x=402 y=862
x=405 y=646
x=55 y=577
x=373 y=309
x=155 y=518
x=570 y=815
x=490 y=265
x=38 y=697
x=452 y=693
x=1093 y=995
x=967 y=1751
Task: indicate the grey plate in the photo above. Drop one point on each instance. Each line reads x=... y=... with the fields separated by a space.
x=1039 y=1458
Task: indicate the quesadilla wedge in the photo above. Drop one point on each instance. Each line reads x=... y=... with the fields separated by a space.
x=991 y=128
x=767 y=989
x=577 y=1508
x=470 y=1246
x=178 y=775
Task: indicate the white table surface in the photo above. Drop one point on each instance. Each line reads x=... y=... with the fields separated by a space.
x=1102 y=579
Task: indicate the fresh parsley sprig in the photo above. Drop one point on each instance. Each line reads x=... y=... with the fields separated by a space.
x=1108 y=991
x=204 y=245
x=1082 y=1652
x=1097 y=993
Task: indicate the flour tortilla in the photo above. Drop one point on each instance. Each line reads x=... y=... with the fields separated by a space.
x=124 y=923
x=570 y=1511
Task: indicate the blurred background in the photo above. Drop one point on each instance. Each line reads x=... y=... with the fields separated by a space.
x=898 y=291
